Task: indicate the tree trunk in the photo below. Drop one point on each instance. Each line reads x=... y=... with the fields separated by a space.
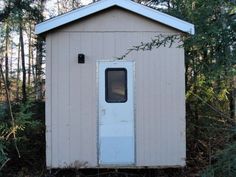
x=232 y=100
x=24 y=95
x=37 y=71
x=34 y=73
x=11 y=60
x=1 y=86
x=39 y=57
x=30 y=50
x=58 y=7
x=6 y=57
x=18 y=74
x=234 y=95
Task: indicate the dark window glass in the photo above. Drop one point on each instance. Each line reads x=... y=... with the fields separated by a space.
x=116 y=85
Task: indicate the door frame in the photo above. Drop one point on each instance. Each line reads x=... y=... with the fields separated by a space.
x=134 y=113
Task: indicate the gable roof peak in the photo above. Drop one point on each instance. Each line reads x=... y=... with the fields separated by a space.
x=105 y=4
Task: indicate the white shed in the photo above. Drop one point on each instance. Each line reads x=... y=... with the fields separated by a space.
x=102 y=112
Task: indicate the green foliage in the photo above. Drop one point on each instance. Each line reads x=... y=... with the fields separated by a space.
x=210 y=71
x=24 y=118
x=25 y=126
x=225 y=163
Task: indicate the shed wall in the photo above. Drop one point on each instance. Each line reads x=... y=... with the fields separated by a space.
x=71 y=95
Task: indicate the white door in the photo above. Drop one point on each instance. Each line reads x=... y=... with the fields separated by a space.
x=116 y=113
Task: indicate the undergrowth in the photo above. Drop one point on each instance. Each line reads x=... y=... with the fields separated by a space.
x=24 y=153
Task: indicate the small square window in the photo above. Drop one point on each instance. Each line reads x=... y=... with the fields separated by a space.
x=116 y=85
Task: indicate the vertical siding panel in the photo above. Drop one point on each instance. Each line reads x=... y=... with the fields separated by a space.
x=158 y=82
x=174 y=124
x=139 y=82
x=162 y=104
x=98 y=45
x=88 y=119
x=165 y=116
x=147 y=87
x=69 y=59
x=140 y=116
x=181 y=107
x=166 y=109
x=75 y=98
x=178 y=100
x=49 y=102
x=139 y=112
x=176 y=111
x=83 y=101
x=63 y=99
x=93 y=100
x=170 y=113
x=153 y=101
x=156 y=134
x=54 y=88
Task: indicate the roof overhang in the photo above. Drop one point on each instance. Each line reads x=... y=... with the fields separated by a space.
x=105 y=4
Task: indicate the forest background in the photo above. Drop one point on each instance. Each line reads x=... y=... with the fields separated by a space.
x=210 y=61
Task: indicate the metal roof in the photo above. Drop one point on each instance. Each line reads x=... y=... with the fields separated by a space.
x=105 y=4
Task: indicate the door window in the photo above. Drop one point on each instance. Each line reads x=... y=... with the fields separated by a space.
x=116 y=85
